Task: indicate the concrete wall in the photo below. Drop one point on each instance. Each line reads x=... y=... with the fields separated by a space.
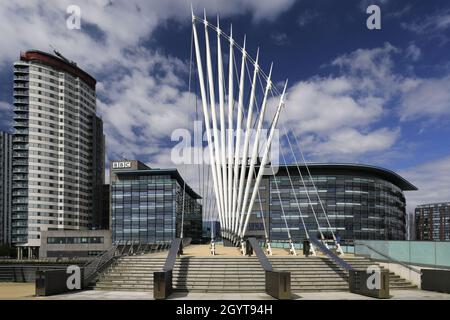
x=404 y=272
x=73 y=250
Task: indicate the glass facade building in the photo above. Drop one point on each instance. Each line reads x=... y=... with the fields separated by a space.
x=433 y=221
x=147 y=204
x=5 y=187
x=361 y=202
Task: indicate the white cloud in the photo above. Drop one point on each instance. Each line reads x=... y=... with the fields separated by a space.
x=280 y=39
x=399 y=13
x=371 y=69
x=428 y=98
x=350 y=143
x=323 y=105
x=339 y=117
x=432 y=23
x=433 y=26
x=124 y=24
x=307 y=17
x=433 y=181
x=413 y=52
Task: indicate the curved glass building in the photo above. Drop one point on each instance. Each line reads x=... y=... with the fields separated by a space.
x=360 y=201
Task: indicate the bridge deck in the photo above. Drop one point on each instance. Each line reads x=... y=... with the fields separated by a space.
x=201 y=250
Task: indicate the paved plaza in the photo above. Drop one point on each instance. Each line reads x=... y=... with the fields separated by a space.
x=25 y=291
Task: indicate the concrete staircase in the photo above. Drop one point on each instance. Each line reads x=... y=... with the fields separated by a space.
x=322 y=274
x=233 y=274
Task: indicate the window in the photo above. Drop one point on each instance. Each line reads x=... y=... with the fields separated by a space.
x=74 y=240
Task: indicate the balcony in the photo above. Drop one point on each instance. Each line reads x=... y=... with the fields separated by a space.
x=21 y=131
x=19 y=231
x=20 y=92
x=20 y=139
x=20 y=201
x=20 y=193
x=20 y=170
x=18 y=124
x=19 y=217
x=20 y=208
x=20 y=70
x=21 y=85
x=20 y=186
x=20 y=177
x=20 y=154
x=20 y=109
x=21 y=116
x=20 y=163
x=21 y=78
x=20 y=224
x=20 y=101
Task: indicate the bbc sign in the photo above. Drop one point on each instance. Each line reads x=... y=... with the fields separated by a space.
x=122 y=165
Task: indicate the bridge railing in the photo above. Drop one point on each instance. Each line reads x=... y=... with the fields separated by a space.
x=162 y=280
x=99 y=263
x=278 y=283
x=434 y=254
x=360 y=281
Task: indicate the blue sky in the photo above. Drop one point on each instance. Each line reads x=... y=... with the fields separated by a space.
x=379 y=97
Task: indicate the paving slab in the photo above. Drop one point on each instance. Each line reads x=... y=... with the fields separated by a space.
x=125 y=295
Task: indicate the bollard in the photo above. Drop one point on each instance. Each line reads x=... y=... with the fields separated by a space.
x=278 y=284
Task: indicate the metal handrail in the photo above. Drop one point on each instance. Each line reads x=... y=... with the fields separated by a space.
x=186 y=242
x=172 y=255
x=92 y=268
x=345 y=265
x=390 y=259
x=263 y=260
x=176 y=247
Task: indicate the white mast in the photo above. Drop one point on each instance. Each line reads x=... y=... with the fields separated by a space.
x=214 y=119
x=230 y=129
x=206 y=115
x=255 y=144
x=246 y=142
x=238 y=137
x=264 y=160
x=223 y=128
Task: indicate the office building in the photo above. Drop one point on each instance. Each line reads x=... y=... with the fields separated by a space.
x=105 y=215
x=211 y=227
x=433 y=222
x=411 y=226
x=361 y=202
x=58 y=148
x=5 y=187
x=74 y=243
x=147 y=204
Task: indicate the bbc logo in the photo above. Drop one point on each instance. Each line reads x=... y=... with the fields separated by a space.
x=121 y=165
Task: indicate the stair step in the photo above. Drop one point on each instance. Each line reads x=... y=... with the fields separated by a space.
x=234 y=274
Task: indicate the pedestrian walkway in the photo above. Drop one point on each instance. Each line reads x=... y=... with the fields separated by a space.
x=25 y=291
x=202 y=250
x=121 y=295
